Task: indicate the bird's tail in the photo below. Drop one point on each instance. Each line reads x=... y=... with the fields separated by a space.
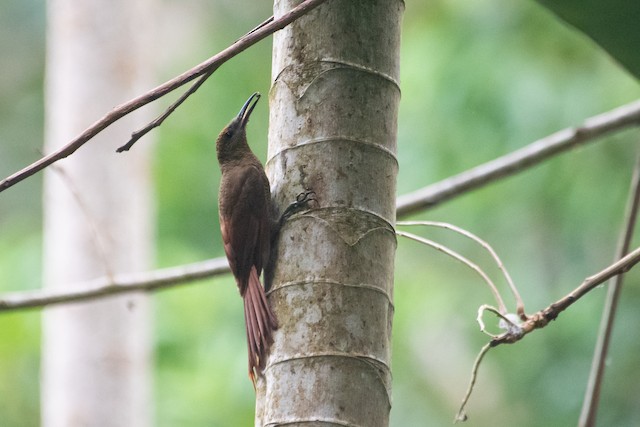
x=260 y=322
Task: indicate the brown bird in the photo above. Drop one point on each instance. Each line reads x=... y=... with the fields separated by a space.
x=244 y=205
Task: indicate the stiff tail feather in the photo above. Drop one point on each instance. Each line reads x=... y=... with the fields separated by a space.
x=260 y=322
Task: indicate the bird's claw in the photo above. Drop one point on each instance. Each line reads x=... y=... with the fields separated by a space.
x=302 y=200
x=305 y=197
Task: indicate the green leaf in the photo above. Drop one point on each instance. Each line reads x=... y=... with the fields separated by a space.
x=613 y=24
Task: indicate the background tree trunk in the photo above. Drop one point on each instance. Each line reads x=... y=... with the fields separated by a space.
x=98 y=217
x=333 y=119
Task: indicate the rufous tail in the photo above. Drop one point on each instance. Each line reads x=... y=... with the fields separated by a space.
x=260 y=322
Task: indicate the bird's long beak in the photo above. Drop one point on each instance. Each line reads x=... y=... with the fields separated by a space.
x=247 y=108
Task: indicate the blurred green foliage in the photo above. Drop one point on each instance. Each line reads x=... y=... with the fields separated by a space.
x=479 y=79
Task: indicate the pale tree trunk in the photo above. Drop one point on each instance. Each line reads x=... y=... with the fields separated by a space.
x=334 y=104
x=96 y=357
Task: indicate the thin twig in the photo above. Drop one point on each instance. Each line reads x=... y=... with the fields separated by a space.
x=260 y=25
x=517 y=161
x=592 y=394
x=122 y=110
x=461 y=416
x=515 y=332
x=462 y=259
x=543 y=317
x=487 y=247
x=135 y=136
x=155 y=280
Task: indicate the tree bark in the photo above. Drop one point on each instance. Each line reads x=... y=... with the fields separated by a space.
x=333 y=119
x=96 y=356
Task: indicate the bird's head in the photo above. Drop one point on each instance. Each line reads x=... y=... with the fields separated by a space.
x=232 y=141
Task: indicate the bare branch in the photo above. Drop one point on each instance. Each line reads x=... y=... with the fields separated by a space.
x=592 y=394
x=135 y=136
x=461 y=416
x=516 y=331
x=543 y=317
x=208 y=66
x=102 y=287
x=433 y=195
x=517 y=161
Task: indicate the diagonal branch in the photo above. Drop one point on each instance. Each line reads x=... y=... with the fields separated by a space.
x=135 y=136
x=208 y=66
x=524 y=158
x=543 y=317
x=435 y=194
x=515 y=332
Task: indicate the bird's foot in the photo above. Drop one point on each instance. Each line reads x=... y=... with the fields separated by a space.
x=302 y=201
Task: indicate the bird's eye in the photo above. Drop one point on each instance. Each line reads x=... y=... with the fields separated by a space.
x=228 y=133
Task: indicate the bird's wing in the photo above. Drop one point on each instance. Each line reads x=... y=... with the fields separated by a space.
x=244 y=222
